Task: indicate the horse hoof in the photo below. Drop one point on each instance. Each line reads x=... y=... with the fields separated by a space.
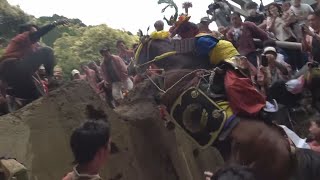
x=170 y=125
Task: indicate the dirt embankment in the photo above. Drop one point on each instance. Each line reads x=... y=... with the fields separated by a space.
x=38 y=136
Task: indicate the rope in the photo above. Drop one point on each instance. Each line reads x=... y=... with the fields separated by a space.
x=161 y=90
x=184 y=78
x=177 y=82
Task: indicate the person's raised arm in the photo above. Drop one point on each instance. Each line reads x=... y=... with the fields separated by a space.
x=307 y=38
x=257 y=32
x=35 y=36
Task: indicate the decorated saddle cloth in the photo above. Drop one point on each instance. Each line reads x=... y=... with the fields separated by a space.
x=201 y=117
x=192 y=109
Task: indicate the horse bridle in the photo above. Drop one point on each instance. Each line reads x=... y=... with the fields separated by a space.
x=157 y=58
x=139 y=49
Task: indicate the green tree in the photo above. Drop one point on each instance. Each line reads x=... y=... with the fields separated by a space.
x=56 y=33
x=10 y=19
x=72 y=50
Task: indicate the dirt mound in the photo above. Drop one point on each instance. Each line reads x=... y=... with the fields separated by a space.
x=38 y=136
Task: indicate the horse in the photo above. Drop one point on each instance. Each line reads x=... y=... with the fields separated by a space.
x=253 y=143
x=167 y=61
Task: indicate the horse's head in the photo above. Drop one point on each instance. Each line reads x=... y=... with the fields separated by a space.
x=147 y=51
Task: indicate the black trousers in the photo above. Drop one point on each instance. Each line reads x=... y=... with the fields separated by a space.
x=18 y=73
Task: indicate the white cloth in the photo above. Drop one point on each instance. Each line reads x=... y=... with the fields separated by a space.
x=302 y=12
x=280 y=58
x=271 y=107
x=117 y=88
x=75 y=175
x=295 y=86
x=297 y=141
x=280 y=30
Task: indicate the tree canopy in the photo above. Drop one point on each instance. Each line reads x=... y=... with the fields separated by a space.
x=56 y=33
x=84 y=45
x=10 y=19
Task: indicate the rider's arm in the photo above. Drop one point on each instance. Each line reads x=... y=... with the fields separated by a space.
x=257 y=32
x=35 y=36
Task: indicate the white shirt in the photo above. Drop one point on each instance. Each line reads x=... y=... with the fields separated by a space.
x=280 y=31
x=302 y=12
x=280 y=58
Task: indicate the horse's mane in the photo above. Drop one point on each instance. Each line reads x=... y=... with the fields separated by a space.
x=307 y=165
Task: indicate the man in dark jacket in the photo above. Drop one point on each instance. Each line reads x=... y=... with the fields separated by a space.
x=23 y=57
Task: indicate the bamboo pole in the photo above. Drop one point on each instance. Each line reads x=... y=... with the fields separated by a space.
x=284 y=44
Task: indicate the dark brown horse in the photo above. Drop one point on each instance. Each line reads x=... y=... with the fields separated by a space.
x=150 y=49
x=262 y=147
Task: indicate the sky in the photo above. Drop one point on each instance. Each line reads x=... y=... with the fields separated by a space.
x=130 y=15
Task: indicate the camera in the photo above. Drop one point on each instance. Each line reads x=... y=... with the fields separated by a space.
x=302 y=26
x=212 y=7
x=264 y=60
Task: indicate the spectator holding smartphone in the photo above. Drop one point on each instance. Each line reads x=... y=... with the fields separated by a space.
x=311 y=40
x=272 y=69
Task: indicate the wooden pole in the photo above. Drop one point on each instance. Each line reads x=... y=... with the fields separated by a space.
x=284 y=44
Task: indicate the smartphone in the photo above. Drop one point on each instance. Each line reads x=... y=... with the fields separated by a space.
x=302 y=27
x=264 y=60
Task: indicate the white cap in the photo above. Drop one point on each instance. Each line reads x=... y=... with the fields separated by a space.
x=269 y=49
x=42 y=67
x=74 y=72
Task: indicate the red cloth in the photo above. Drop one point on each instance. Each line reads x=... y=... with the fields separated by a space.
x=315 y=146
x=244 y=99
x=119 y=66
x=19 y=47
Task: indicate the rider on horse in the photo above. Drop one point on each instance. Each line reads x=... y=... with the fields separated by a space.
x=23 y=57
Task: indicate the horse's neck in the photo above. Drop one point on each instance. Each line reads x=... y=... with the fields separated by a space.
x=185 y=61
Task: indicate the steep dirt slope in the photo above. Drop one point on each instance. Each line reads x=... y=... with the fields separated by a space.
x=38 y=136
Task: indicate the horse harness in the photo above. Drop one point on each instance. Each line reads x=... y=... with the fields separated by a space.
x=205 y=116
x=180 y=47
